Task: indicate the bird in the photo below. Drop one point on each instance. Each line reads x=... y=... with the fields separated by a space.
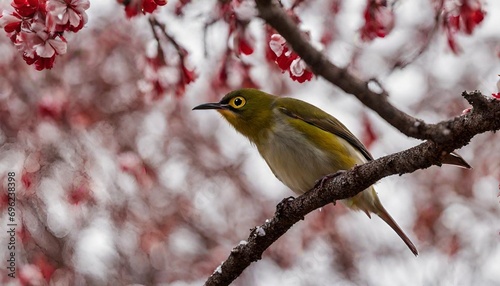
x=302 y=144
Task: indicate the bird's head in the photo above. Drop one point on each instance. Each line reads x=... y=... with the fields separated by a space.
x=249 y=111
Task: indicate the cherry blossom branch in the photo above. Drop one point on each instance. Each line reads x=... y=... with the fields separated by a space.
x=155 y=23
x=186 y=76
x=321 y=66
x=485 y=116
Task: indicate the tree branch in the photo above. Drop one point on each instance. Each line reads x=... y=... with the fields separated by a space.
x=485 y=116
x=321 y=66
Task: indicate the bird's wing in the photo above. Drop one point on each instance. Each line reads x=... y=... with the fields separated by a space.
x=322 y=120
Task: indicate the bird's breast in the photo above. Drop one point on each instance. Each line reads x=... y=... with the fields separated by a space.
x=295 y=160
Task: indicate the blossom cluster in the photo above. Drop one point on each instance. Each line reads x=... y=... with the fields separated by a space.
x=287 y=59
x=237 y=14
x=161 y=72
x=232 y=70
x=161 y=76
x=133 y=7
x=461 y=16
x=36 y=27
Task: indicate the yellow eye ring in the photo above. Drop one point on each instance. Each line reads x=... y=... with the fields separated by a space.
x=238 y=102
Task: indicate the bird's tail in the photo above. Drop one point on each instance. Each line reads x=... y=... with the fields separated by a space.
x=369 y=202
x=455 y=159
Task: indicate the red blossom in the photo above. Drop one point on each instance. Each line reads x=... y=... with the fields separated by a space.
x=149 y=6
x=40 y=63
x=131 y=10
x=379 y=20
x=157 y=84
x=11 y=23
x=287 y=60
x=158 y=68
x=244 y=47
x=133 y=7
x=187 y=76
x=298 y=71
x=471 y=18
x=27 y=8
x=463 y=17
x=237 y=14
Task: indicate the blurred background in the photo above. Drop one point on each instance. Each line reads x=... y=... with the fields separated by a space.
x=120 y=183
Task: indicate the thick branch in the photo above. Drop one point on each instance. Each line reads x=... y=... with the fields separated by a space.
x=321 y=66
x=485 y=116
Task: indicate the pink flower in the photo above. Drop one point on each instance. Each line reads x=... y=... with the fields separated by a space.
x=379 y=20
x=26 y=8
x=36 y=27
x=466 y=16
x=150 y=5
x=133 y=7
x=277 y=44
x=40 y=48
x=187 y=76
x=68 y=14
x=286 y=59
x=298 y=71
x=280 y=53
x=11 y=23
x=461 y=16
x=50 y=46
x=40 y=63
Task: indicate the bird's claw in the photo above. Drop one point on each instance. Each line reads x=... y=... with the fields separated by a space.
x=319 y=183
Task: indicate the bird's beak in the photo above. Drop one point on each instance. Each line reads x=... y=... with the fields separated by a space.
x=214 y=105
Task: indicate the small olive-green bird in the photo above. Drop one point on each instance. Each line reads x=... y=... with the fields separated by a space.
x=301 y=144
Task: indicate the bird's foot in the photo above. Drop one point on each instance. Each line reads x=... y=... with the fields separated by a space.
x=319 y=183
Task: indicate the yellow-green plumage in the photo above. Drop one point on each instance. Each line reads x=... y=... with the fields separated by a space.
x=301 y=144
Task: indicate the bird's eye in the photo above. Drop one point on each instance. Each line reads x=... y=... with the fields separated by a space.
x=238 y=102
